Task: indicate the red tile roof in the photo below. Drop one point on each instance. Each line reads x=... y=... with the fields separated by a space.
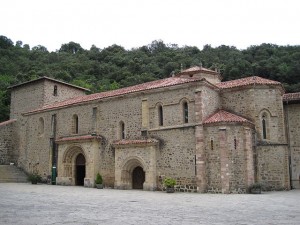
x=7 y=122
x=224 y=116
x=172 y=81
x=130 y=142
x=291 y=96
x=77 y=138
x=247 y=81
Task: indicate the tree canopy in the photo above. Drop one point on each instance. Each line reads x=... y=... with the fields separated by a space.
x=114 y=67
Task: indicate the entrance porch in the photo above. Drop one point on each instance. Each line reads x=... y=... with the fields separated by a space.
x=135 y=164
x=77 y=160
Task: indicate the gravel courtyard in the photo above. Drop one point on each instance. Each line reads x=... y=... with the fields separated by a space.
x=49 y=204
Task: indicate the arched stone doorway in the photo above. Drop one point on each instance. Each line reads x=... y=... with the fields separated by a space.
x=80 y=170
x=133 y=174
x=138 y=178
x=78 y=160
x=135 y=164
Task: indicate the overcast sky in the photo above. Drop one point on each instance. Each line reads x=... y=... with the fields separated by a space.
x=134 y=23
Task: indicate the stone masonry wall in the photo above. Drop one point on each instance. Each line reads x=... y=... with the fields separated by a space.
x=271 y=152
x=172 y=107
x=250 y=103
x=235 y=166
x=36 y=156
x=293 y=125
x=63 y=92
x=26 y=98
x=176 y=157
x=177 y=138
x=272 y=166
x=211 y=102
x=7 y=142
x=34 y=95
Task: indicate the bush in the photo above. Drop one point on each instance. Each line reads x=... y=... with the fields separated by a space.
x=34 y=178
x=99 y=179
x=169 y=182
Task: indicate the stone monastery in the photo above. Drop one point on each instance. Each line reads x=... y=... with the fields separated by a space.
x=210 y=136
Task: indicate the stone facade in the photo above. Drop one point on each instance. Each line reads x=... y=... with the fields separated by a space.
x=210 y=136
x=292 y=118
x=7 y=143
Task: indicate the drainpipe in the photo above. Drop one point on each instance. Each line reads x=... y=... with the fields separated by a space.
x=54 y=150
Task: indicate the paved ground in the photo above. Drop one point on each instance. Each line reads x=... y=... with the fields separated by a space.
x=46 y=204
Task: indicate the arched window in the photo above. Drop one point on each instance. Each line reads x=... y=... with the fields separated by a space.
x=55 y=90
x=160 y=116
x=41 y=126
x=75 y=127
x=185 y=108
x=211 y=144
x=122 y=130
x=235 y=143
x=265 y=132
x=264 y=127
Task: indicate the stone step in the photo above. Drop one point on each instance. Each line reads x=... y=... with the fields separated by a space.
x=12 y=174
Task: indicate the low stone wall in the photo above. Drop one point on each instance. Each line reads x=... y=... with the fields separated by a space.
x=185 y=184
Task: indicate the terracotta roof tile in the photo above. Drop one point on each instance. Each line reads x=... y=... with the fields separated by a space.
x=291 y=97
x=7 y=122
x=128 y=142
x=172 y=81
x=247 y=81
x=224 y=116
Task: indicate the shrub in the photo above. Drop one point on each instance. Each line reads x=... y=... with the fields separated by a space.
x=169 y=182
x=34 y=178
x=99 y=179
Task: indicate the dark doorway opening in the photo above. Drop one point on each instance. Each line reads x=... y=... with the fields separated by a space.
x=80 y=170
x=138 y=178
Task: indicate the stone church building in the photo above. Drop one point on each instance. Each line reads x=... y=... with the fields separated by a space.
x=210 y=136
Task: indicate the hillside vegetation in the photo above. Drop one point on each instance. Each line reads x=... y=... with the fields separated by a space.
x=114 y=67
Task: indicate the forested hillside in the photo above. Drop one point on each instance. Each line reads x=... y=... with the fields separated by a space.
x=114 y=67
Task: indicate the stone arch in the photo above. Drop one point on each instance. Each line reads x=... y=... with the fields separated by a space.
x=184 y=99
x=69 y=162
x=128 y=169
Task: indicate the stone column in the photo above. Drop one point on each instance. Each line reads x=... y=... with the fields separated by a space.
x=145 y=114
x=225 y=175
x=151 y=174
x=200 y=160
x=249 y=156
x=200 y=147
